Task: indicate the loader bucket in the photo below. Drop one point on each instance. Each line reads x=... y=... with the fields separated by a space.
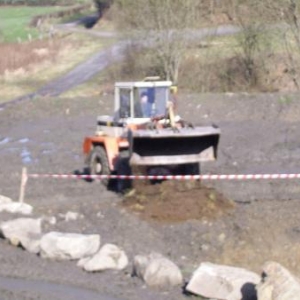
x=169 y=147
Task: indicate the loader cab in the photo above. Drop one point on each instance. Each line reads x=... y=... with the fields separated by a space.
x=141 y=100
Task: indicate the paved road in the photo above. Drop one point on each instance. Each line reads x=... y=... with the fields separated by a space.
x=13 y=288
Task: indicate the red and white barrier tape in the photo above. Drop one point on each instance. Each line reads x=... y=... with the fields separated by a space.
x=170 y=177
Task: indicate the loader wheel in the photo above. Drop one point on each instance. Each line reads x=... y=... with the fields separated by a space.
x=98 y=163
x=123 y=168
x=192 y=169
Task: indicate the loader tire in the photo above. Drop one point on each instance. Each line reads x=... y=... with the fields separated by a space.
x=123 y=168
x=191 y=169
x=188 y=169
x=98 y=164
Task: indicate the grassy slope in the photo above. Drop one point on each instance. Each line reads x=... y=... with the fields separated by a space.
x=14 y=21
x=75 y=49
x=204 y=59
x=72 y=49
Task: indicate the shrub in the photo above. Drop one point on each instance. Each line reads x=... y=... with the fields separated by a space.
x=138 y=63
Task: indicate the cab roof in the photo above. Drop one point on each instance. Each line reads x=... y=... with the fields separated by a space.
x=142 y=84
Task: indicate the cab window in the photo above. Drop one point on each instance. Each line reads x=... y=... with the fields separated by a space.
x=125 y=103
x=150 y=102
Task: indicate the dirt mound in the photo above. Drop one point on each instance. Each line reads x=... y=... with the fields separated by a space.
x=173 y=201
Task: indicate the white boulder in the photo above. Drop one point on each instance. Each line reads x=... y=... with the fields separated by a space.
x=72 y=216
x=109 y=257
x=223 y=282
x=50 y=220
x=23 y=231
x=157 y=270
x=16 y=208
x=69 y=246
x=4 y=199
x=277 y=284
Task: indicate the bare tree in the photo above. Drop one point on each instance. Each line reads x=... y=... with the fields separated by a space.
x=252 y=41
x=286 y=13
x=164 y=23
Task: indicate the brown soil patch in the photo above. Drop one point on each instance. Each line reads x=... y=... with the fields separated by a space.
x=173 y=201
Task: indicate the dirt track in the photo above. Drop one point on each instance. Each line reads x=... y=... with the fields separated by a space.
x=99 y=61
x=259 y=134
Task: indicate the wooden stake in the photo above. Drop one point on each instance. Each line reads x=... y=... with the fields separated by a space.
x=23 y=184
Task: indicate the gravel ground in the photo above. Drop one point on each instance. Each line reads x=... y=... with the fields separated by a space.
x=259 y=135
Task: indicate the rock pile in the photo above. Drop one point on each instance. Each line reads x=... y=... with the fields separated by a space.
x=209 y=280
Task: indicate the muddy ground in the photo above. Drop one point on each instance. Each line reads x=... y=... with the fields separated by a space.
x=260 y=134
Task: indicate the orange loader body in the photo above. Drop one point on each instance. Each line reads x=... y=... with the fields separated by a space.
x=112 y=146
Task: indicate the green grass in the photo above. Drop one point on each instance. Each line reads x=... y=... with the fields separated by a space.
x=14 y=21
x=74 y=49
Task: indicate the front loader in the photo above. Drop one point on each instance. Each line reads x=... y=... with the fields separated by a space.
x=146 y=135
